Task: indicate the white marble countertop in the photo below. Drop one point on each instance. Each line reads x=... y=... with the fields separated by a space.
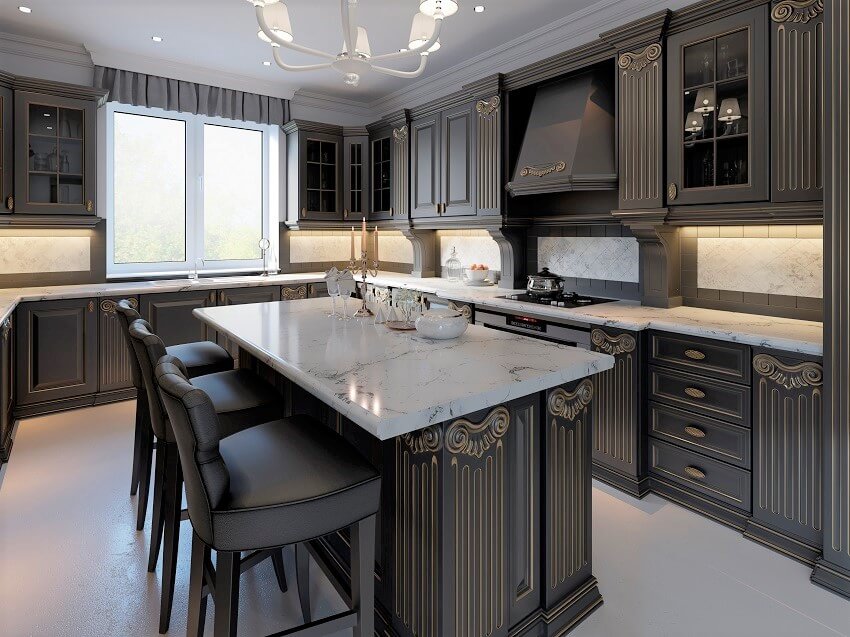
x=804 y=337
x=391 y=383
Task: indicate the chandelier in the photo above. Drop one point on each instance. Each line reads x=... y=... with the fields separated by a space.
x=356 y=56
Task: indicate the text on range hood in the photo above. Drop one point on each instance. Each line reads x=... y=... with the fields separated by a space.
x=570 y=138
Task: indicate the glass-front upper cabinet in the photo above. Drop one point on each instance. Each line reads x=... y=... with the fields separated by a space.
x=718 y=121
x=54 y=154
x=382 y=178
x=355 y=177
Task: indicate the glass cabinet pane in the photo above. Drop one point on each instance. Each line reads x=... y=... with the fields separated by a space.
x=313 y=150
x=71 y=123
x=43 y=120
x=70 y=160
x=733 y=108
x=699 y=63
x=733 y=55
x=732 y=161
x=699 y=165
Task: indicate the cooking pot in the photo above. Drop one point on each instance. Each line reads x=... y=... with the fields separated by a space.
x=544 y=283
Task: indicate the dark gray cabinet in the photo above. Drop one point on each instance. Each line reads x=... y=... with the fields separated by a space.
x=7 y=201
x=443 y=164
x=619 y=439
x=787 y=453
x=55 y=154
x=241 y=296
x=170 y=315
x=314 y=171
x=56 y=345
x=381 y=176
x=355 y=180
x=114 y=366
x=718 y=120
x=7 y=387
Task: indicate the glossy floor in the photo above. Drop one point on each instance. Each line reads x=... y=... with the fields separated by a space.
x=72 y=563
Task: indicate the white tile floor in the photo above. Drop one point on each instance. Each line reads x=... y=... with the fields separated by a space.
x=72 y=563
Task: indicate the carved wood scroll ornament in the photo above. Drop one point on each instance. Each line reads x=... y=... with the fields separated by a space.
x=486 y=108
x=543 y=170
x=620 y=344
x=805 y=374
x=639 y=61
x=473 y=439
x=400 y=134
x=428 y=440
x=568 y=405
x=801 y=11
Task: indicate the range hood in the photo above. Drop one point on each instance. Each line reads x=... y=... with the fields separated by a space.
x=569 y=142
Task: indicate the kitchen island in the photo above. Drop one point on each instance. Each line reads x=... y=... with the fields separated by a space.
x=484 y=447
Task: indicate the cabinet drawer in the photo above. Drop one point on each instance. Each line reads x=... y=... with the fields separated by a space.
x=697 y=472
x=713 y=398
x=714 y=438
x=726 y=361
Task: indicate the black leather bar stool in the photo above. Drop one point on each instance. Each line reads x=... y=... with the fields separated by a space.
x=279 y=483
x=240 y=398
x=202 y=357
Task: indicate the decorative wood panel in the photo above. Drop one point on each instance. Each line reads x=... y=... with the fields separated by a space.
x=489 y=154
x=797 y=101
x=7 y=387
x=170 y=314
x=641 y=128
x=114 y=368
x=401 y=171
x=788 y=448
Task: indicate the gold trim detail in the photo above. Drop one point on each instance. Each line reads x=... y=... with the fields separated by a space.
x=10 y=203
x=693 y=472
x=621 y=344
x=543 y=170
x=294 y=294
x=568 y=405
x=694 y=354
x=639 y=61
x=473 y=439
x=672 y=192
x=801 y=11
x=694 y=432
x=400 y=134
x=464 y=310
x=806 y=374
x=693 y=392
x=428 y=440
x=89 y=205
x=109 y=306
x=485 y=108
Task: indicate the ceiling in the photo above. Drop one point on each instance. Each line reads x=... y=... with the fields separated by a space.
x=220 y=35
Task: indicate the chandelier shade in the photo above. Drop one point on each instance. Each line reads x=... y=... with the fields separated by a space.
x=421 y=31
x=438 y=8
x=277 y=16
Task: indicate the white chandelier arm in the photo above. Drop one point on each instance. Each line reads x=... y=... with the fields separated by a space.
x=408 y=74
x=349 y=24
x=264 y=26
x=438 y=25
x=305 y=67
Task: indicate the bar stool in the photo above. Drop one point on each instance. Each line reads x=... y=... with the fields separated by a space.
x=279 y=483
x=202 y=357
x=240 y=398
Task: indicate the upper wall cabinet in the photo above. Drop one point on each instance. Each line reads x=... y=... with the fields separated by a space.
x=355 y=176
x=314 y=171
x=796 y=101
x=7 y=201
x=380 y=175
x=55 y=154
x=718 y=120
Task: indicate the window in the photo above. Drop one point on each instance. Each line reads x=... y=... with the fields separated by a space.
x=188 y=192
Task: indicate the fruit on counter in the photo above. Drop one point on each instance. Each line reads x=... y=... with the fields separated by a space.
x=479 y=266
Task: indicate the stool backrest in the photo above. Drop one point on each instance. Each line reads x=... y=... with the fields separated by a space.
x=127 y=314
x=149 y=349
x=196 y=430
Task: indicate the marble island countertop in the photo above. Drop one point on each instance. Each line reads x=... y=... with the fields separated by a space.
x=805 y=337
x=392 y=383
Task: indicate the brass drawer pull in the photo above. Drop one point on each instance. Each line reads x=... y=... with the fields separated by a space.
x=694 y=354
x=693 y=392
x=694 y=432
x=693 y=472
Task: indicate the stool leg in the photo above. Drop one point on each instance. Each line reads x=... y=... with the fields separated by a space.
x=279 y=571
x=144 y=477
x=363 y=576
x=156 y=516
x=226 y=594
x=302 y=574
x=172 y=503
x=197 y=600
x=137 y=452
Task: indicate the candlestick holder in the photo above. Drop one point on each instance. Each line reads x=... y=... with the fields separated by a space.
x=361 y=266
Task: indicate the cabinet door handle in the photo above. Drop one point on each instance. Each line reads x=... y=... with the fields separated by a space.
x=392 y=211
x=672 y=191
x=89 y=205
x=694 y=432
x=91 y=306
x=221 y=296
x=693 y=392
x=303 y=213
x=345 y=213
x=694 y=472
x=10 y=203
x=694 y=354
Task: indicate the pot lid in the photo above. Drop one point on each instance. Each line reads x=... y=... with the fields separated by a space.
x=545 y=274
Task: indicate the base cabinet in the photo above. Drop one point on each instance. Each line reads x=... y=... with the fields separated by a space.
x=114 y=362
x=788 y=448
x=242 y=296
x=170 y=315
x=7 y=387
x=57 y=346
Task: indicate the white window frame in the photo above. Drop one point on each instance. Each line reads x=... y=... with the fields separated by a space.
x=195 y=197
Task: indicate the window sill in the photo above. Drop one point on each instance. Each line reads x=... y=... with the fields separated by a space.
x=177 y=274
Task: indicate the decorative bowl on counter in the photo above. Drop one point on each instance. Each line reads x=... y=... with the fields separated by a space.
x=476 y=275
x=441 y=324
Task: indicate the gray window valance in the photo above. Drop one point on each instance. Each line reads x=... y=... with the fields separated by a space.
x=140 y=89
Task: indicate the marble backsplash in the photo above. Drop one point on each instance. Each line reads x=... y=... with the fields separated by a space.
x=598 y=258
x=473 y=246
x=325 y=246
x=785 y=266
x=43 y=254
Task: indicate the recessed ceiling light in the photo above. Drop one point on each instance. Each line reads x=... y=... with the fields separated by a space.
x=267 y=63
x=479 y=8
x=24 y=9
x=156 y=38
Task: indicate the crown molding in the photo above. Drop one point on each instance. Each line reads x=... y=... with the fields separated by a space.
x=188 y=72
x=311 y=100
x=45 y=50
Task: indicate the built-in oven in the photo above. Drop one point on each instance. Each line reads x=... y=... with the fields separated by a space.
x=536 y=326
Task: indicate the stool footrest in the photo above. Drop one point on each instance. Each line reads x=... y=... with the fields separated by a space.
x=321 y=627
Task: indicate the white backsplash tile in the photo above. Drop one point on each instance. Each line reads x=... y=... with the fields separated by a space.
x=33 y=255
x=602 y=258
x=394 y=248
x=309 y=247
x=792 y=267
x=473 y=246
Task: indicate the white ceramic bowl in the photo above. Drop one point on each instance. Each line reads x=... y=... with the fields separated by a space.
x=476 y=275
x=441 y=324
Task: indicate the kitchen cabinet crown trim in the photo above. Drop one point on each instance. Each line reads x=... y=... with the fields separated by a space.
x=797 y=11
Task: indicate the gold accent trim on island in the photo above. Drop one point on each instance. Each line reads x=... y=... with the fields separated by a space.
x=620 y=344
x=473 y=439
x=568 y=405
x=806 y=374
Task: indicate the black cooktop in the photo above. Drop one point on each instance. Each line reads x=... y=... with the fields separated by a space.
x=567 y=299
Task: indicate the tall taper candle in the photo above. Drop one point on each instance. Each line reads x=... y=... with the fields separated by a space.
x=376 y=244
x=363 y=237
x=352 y=243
